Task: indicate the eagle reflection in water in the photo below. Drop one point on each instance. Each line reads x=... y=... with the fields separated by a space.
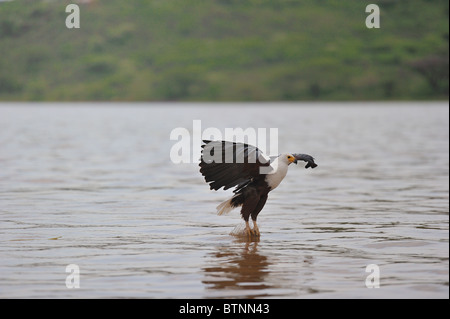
x=238 y=267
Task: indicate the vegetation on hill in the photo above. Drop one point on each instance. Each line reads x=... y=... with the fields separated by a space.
x=223 y=50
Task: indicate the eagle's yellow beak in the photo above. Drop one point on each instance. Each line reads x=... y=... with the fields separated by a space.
x=292 y=159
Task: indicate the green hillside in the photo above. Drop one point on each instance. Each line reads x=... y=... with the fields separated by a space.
x=223 y=50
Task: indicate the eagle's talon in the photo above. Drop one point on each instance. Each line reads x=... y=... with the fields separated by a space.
x=255 y=230
x=255 y=233
x=248 y=230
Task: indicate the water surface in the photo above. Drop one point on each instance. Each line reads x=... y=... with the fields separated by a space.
x=93 y=185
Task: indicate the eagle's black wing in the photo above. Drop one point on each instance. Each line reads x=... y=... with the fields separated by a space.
x=307 y=158
x=227 y=164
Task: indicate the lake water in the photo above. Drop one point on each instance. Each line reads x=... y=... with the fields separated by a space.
x=93 y=185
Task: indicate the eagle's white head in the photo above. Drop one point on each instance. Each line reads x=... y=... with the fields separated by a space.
x=279 y=169
x=287 y=159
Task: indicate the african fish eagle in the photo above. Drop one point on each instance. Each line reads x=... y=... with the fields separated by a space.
x=229 y=164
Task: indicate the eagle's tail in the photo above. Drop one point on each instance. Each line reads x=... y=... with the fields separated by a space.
x=228 y=205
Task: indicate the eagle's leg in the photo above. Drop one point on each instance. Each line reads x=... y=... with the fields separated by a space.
x=251 y=207
x=254 y=214
x=255 y=230
x=248 y=230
